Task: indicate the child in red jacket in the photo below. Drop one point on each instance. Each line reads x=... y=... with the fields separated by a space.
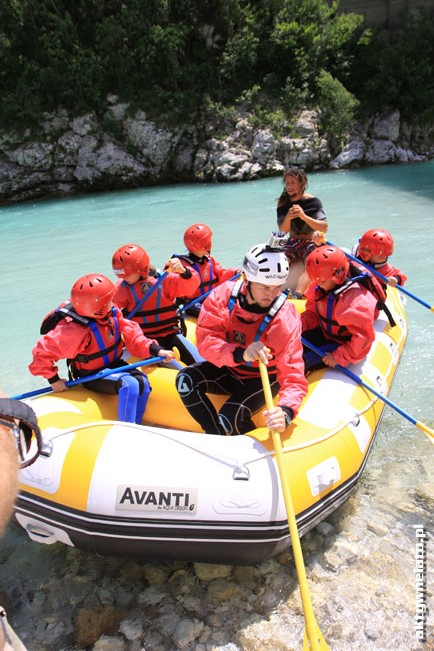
x=143 y=298
x=91 y=334
x=374 y=248
x=197 y=273
x=340 y=312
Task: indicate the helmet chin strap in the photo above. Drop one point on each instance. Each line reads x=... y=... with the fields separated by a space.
x=254 y=306
x=249 y=290
x=243 y=298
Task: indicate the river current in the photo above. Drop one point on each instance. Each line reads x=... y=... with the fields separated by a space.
x=361 y=563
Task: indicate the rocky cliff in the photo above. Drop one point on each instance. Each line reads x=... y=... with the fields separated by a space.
x=67 y=155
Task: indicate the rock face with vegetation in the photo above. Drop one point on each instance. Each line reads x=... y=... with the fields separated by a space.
x=100 y=96
x=69 y=155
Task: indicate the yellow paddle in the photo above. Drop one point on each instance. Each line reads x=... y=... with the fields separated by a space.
x=313 y=638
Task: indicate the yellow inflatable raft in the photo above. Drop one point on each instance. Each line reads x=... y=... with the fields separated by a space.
x=164 y=490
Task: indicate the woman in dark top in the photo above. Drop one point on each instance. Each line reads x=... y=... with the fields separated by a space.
x=299 y=214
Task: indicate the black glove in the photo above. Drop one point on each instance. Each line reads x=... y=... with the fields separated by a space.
x=289 y=415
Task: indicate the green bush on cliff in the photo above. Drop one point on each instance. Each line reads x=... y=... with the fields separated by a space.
x=337 y=109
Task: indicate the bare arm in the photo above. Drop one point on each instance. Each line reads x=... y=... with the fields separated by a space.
x=297 y=211
x=9 y=465
x=8 y=476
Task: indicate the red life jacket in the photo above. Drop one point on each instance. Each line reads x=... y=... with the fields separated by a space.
x=105 y=346
x=250 y=331
x=160 y=318
x=205 y=269
x=376 y=286
x=325 y=302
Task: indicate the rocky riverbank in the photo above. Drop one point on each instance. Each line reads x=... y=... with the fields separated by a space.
x=67 y=155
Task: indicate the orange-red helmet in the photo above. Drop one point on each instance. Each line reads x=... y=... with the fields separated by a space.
x=130 y=259
x=92 y=294
x=375 y=242
x=198 y=237
x=327 y=263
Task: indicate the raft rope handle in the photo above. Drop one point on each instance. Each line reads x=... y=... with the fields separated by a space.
x=230 y=461
x=71 y=430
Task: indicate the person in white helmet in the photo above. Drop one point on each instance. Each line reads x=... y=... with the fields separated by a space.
x=240 y=323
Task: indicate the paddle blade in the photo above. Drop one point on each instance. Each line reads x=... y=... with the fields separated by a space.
x=177 y=353
x=316 y=641
x=428 y=431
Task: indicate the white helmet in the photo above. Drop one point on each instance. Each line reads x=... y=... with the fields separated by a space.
x=263 y=265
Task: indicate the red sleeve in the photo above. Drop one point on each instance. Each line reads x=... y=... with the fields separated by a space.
x=66 y=341
x=283 y=338
x=175 y=286
x=389 y=270
x=309 y=318
x=134 y=339
x=221 y=273
x=356 y=311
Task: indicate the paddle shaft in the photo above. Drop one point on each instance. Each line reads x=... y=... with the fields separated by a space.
x=312 y=632
x=385 y=279
x=428 y=431
x=96 y=376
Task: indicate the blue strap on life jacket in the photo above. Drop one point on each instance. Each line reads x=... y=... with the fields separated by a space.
x=150 y=291
x=98 y=337
x=209 y=283
x=274 y=308
x=234 y=294
x=329 y=312
x=140 y=302
x=328 y=321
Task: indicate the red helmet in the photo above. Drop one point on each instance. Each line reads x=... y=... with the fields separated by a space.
x=327 y=263
x=198 y=237
x=375 y=242
x=91 y=295
x=130 y=259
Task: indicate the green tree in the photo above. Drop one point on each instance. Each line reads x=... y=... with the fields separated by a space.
x=396 y=69
x=174 y=59
x=337 y=108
